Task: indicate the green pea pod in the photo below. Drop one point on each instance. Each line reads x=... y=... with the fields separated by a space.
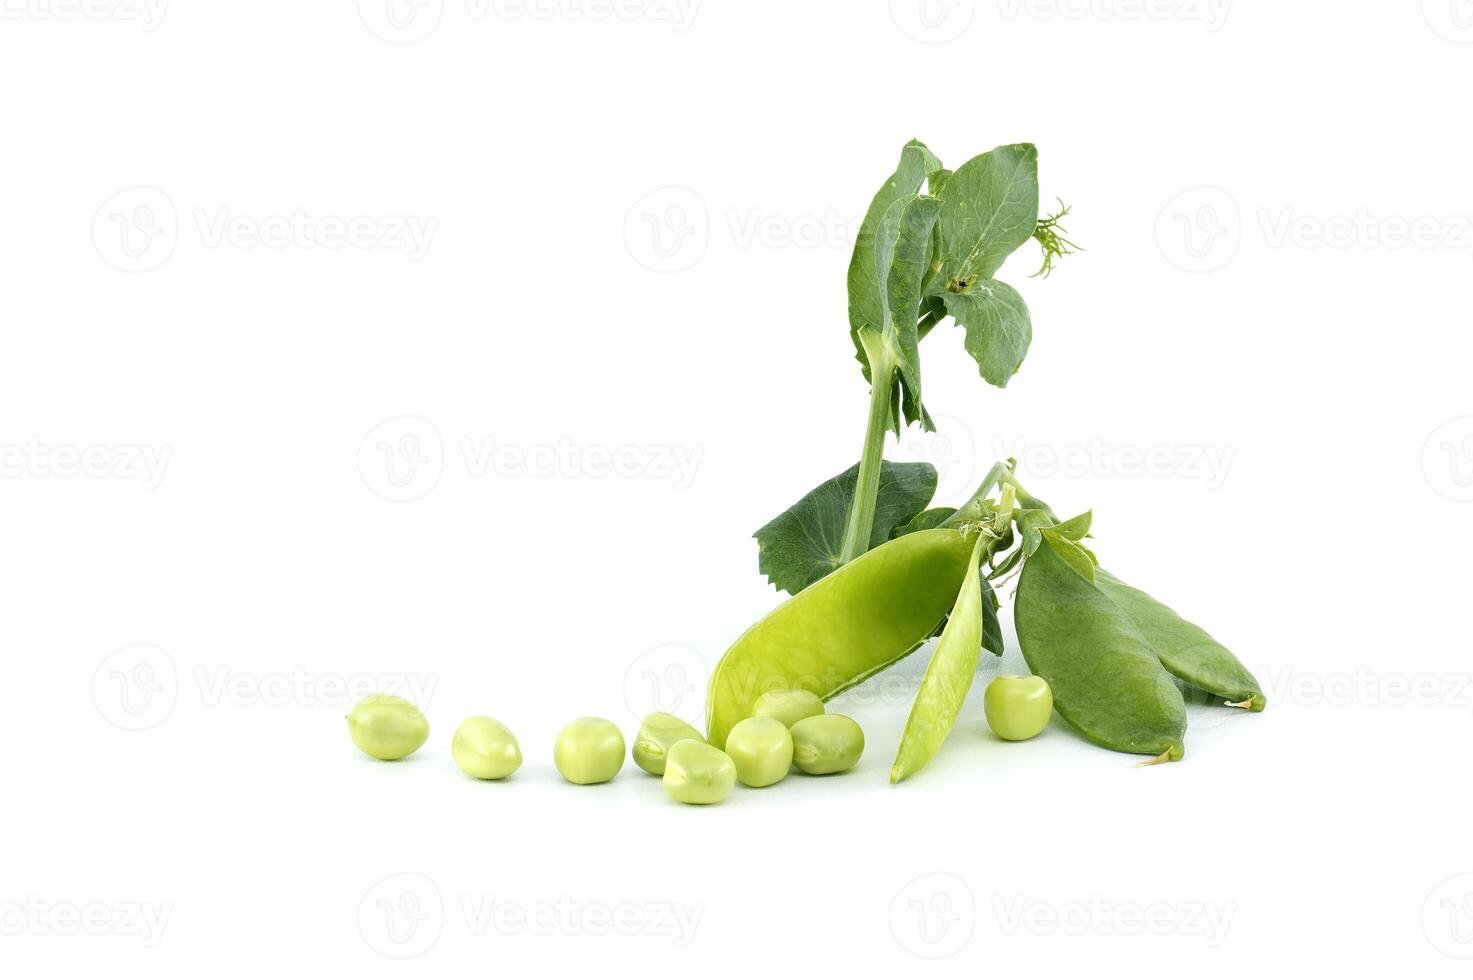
x=1184 y=648
x=847 y=626
x=948 y=676
x=1107 y=681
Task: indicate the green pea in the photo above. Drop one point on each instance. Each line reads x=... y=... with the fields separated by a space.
x=788 y=707
x=387 y=727
x=761 y=749
x=698 y=773
x=589 y=750
x=1018 y=708
x=659 y=731
x=485 y=748
x=849 y=625
x=826 y=744
x=1106 y=679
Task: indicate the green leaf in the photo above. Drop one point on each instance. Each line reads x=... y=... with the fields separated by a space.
x=866 y=287
x=924 y=521
x=902 y=257
x=1076 y=528
x=989 y=207
x=991 y=626
x=1073 y=555
x=998 y=327
x=803 y=544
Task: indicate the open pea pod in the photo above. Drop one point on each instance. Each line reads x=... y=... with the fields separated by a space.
x=843 y=628
x=1184 y=648
x=1107 y=680
x=948 y=675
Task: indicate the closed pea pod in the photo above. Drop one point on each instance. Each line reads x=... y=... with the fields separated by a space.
x=657 y=734
x=387 y=727
x=1184 y=648
x=1106 y=680
x=826 y=744
x=843 y=628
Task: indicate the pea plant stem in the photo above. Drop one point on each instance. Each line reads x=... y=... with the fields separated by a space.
x=861 y=521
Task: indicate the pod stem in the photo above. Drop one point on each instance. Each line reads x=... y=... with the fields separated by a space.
x=1172 y=754
x=1255 y=703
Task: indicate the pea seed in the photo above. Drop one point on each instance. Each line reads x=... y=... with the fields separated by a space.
x=1018 y=708
x=485 y=748
x=825 y=744
x=698 y=773
x=659 y=731
x=589 y=750
x=788 y=707
x=761 y=749
x=387 y=727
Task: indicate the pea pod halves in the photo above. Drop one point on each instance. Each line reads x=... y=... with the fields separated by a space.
x=843 y=628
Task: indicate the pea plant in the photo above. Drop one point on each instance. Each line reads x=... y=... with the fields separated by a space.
x=875 y=571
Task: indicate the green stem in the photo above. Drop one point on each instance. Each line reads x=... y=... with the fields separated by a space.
x=861 y=523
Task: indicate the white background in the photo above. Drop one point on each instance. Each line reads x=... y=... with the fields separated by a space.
x=180 y=634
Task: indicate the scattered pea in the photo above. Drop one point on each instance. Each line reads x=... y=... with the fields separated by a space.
x=589 y=750
x=826 y=744
x=387 y=727
x=788 y=707
x=659 y=731
x=698 y=773
x=761 y=749
x=485 y=748
x=1018 y=708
